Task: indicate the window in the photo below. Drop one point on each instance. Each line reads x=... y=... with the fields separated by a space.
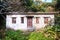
x=22 y=19
x=13 y=19
x=46 y=20
x=37 y=19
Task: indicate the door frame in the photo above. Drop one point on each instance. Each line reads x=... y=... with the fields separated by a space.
x=31 y=20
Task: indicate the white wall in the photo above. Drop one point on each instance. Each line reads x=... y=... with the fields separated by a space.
x=23 y=26
x=41 y=20
x=18 y=24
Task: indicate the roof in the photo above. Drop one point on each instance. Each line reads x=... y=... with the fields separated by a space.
x=32 y=13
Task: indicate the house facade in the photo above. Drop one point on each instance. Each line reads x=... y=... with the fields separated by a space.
x=29 y=20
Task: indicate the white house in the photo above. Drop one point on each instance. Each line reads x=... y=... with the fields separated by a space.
x=29 y=20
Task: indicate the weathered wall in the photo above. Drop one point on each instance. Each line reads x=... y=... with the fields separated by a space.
x=23 y=26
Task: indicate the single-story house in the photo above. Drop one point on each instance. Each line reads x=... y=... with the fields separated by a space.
x=29 y=20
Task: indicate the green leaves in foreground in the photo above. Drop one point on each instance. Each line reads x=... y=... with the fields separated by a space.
x=39 y=36
x=15 y=35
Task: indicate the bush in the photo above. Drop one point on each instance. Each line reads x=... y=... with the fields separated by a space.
x=56 y=28
x=39 y=36
x=50 y=32
x=47 y=33
x=53 y=31
x=15 y=35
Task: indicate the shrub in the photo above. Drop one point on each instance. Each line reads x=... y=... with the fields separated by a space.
x=53 y=31
x=38 y=36
x=56 y=28
x=50 y=32
x=47 y=33
x=15 y=35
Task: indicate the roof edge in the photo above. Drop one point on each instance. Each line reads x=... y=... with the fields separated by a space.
x=31 y=13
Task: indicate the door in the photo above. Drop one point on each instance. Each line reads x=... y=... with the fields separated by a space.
x=29 y=22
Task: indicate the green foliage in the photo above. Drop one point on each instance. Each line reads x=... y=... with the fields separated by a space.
x=15 y=35
x=39 y=36
x=57 y=20
x=27 y=5
x=30 y=5
x=50 y=32
x=56 y=28
x=38 y=7
x=35 y=36
x=47 y=33
x=57 y=6
x=53 y=32
x=28 y=2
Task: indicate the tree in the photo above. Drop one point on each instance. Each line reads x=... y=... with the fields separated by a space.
x=3 y=9
x=37 y=5
x=3 y=6
x=15 y=5
x=57 y=16
x=57 y=6
x=27 y=4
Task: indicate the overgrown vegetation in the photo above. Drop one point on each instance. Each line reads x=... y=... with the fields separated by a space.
x=47 y=33
x=27 y=5
x=15 y=35
x=57 y=6
x=38 y=5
